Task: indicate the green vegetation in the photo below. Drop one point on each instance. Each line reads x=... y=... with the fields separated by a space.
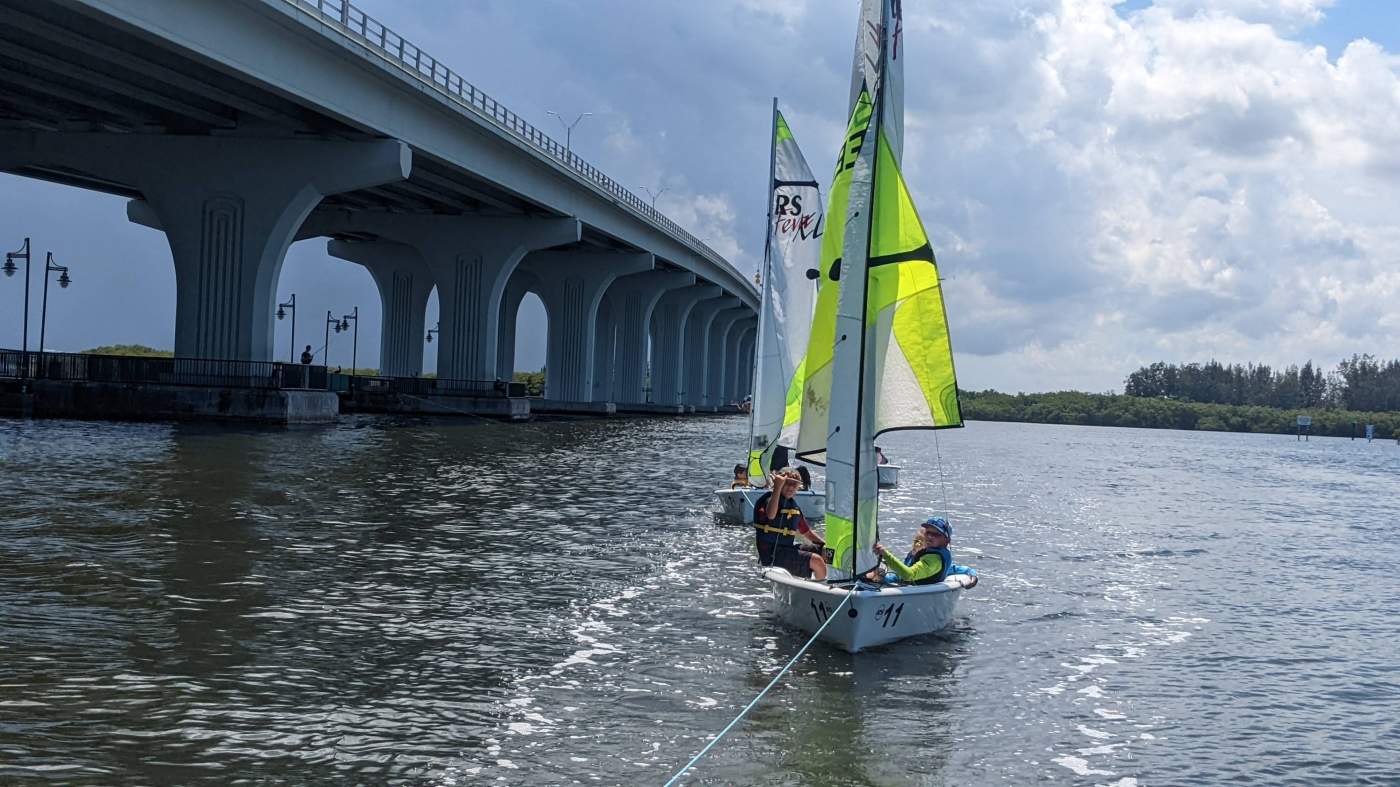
x=1073 y=407
x=534 y=382
x=135 y=350
x=1359 y=383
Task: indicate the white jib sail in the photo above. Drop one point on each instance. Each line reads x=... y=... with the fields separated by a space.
x=794 y=248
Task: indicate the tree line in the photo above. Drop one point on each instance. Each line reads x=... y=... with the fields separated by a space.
x=1086 y=409
x=1360 y=383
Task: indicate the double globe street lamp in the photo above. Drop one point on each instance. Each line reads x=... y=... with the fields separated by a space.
x=282 y=313
x=50 y=267
x=345 y=320
x=332 y=324
x=340 y=325
x=63 y=282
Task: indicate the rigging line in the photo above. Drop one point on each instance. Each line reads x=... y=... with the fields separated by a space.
x=676 y=778
x=938 y=454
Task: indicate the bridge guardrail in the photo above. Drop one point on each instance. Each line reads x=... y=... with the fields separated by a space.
x=84 y=367
x=346 y=16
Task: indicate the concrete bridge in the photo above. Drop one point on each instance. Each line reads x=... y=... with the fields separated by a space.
x=239 y=126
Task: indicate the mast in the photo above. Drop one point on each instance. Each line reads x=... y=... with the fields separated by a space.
x=763 y=308
x=877 y=108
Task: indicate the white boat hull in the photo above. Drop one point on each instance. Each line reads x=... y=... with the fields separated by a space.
x=873 y=616
x=888 y=476
x=737 y=504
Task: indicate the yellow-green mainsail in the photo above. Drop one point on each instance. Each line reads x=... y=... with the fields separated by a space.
x=917 y=385
x=906 y=327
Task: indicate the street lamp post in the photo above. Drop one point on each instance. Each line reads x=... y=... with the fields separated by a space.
x=568 y=128
x=435 y=329
x=63 y=282
x=355 y=342
x=654 y=195
x=290 y=304
x=331 y=322
x=10 y=257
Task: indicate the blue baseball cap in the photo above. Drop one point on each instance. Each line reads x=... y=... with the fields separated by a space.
x=941 y=525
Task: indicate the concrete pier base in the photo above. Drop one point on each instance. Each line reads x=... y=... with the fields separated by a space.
x=647 y=408
x=567 y=407
x=493 y=407
x=146 y=402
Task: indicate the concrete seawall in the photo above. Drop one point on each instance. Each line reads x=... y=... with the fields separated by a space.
x=367 y=401
x=146 y=402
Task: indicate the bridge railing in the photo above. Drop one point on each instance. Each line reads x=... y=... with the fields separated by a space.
x=84 y=367
x=364 y=28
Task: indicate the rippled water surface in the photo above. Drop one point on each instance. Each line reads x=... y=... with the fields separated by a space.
x=461 y=603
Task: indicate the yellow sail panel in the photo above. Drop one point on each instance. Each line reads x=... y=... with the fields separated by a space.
x=918 y=385
x=813 y=383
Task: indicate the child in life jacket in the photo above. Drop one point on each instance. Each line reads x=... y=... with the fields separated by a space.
x=929 y=560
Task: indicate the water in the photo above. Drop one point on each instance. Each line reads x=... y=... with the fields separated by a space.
x=441 y=602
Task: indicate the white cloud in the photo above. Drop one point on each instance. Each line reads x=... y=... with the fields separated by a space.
x=1290 y=14
x=1229 y=188
x=1104 y=188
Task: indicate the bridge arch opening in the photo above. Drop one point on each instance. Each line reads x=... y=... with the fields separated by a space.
x=522 y=333
x=324 y=284
x=123 y=275
x=531 y=342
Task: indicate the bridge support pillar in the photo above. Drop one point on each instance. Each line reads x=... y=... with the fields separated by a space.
x=230 y=206
x=404 y=286
x=605 y=352
x=747 y=346
x=718 y=356
x=668 y=339
x=697 y=347
x=736 y=372
x=471 y=259
x=572 y=285
x=634 y=298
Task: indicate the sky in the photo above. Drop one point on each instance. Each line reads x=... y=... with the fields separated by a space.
x=1107 y=184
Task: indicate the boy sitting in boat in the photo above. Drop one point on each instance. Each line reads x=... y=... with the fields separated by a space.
x=929 y=560
x=741 y=477
x=777 y=521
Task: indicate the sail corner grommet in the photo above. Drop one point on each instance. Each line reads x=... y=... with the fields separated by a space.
x=851 y=612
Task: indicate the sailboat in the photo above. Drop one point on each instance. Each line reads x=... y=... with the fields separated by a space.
x=791 y=255
x=879 y=359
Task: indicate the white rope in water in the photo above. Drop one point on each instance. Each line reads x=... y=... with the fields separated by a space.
x=674 y=779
